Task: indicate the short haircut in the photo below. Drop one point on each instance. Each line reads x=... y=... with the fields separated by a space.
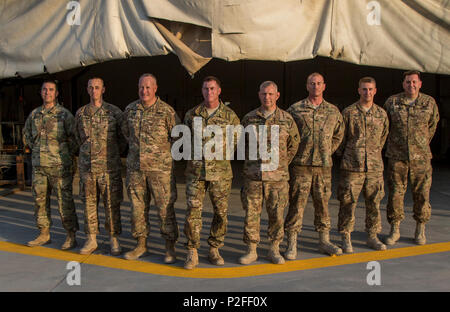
x=53 y=81
x=315 y=74
x=212 y=78
x=148 y=75
x=92 y=78
x=412 y=72
x=367 y=80
x=267 y=83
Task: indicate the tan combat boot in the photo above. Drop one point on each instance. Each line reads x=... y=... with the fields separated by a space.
x=116 y=250
x=171 y=256
x=291 y=251
x=374 y=243
x=250 y=256
x=70 y=242
x=90 y=246
x=274 y=253
x=42 y=239
x=141 y=249
x=191 y=259
x=420 y=238
x=394 y=235
x=214 y=257
x=347 y=243
x=326 y=247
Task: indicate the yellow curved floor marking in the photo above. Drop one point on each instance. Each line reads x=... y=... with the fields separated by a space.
x=225 y=272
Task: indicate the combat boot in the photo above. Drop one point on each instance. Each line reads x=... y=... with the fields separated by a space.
x=141 y=249
x=420 y=234
x=291 y=251
x=374 y=243
x=326 y=247
x=70 y=242
x=191 y=259
x=394 y=235
x=274 y=253
x=171 y=256
x=250 y=256
x=116 y=250
x=90 y=246
x=214 y=257
x=347 y=243
x=42 y=239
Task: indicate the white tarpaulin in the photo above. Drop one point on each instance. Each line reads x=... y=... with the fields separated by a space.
x=55 y=35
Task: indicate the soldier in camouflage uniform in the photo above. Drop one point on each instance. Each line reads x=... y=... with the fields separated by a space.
x=321 y=129
x=413 y=117
x=147 y=125
x=101 y=141
x=366 y=130
x=49 y=133
x=269 y=186
x=208 y=174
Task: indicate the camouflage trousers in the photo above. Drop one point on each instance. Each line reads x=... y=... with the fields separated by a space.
x=109 y=187
x=420 y=177
x=141 y=186
x=350 y=186
x=275 y=195
x=219 y=192
x=305 y=180
x=46 y=179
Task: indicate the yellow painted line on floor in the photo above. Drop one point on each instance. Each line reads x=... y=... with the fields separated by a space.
x=225 y=272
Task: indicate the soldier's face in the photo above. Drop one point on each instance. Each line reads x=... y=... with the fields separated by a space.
x=49 y=93
x=268 y=97
x=211 y=91
x=147 y=89
x=95 y=89
x=412 y=85
x=367 y=91
x=315 y=85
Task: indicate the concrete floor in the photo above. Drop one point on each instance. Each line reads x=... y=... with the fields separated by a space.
x=430 y=272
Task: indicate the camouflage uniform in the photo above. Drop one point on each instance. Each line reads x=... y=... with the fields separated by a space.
x=50 y=136
x=362 y=165
x=411 y=131
x=212 y=175
x=321 y=132
x=101 y=141
x=271 y=187
x=150 y=166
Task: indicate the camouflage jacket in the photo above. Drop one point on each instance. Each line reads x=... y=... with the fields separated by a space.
x=50 y=136
x=412 y=127
x=210 y=170
x=365 y=135
x=288 y=141
x=321 y=132
x=100 y=138
x=148 y=131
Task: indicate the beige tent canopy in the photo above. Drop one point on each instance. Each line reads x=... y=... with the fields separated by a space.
x=38 y=36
